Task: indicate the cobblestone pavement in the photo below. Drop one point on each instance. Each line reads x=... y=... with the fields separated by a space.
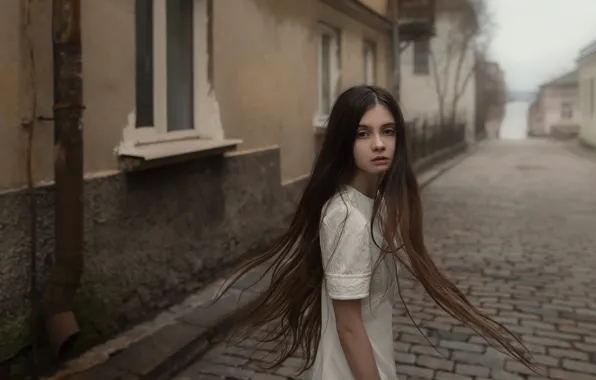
x=515 y=226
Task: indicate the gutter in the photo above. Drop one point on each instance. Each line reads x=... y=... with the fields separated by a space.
x=67 y=268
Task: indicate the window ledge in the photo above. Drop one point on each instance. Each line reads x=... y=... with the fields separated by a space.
x=320 y=124
x=144 y=156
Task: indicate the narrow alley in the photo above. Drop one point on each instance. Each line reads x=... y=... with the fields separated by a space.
x=514 y=224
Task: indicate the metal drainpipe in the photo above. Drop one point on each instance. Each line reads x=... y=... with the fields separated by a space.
x=395 y=49
x=67 y=268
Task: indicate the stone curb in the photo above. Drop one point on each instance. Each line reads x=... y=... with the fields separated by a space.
x=162 y=353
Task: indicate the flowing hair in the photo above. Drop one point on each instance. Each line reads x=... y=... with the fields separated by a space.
x=290 y=308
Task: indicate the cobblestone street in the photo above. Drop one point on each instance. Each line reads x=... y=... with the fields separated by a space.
x=515 y=225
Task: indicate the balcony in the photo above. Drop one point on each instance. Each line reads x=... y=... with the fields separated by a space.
x=416 y=19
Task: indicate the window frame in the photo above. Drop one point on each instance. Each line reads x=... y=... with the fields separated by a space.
x=334 y=70
x=566 y=112
x=421 y=48
x=141 y=132
x=369 y=47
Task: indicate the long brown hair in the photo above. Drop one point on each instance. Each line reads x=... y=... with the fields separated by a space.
x=290 y=308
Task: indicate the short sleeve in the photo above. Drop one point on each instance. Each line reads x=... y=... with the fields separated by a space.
x=345 y=249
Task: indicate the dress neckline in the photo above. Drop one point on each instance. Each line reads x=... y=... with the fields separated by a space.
x=360 y=196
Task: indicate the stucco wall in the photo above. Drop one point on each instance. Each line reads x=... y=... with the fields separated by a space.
x=379 y=6
x=157 y=234
x=551 y=107
x=418 y=92
x=587 y=73
x=150 y=238
x=15 y=91
x=108 y=86
x=272 y=98
x=264 y=79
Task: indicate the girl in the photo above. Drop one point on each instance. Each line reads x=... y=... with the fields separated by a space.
x=334 y=272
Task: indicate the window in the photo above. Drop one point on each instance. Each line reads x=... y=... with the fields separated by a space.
x=328 y=70
x=421 y=57
x=179 y=64
x=566 y=111
x=171 y=68
x=144 y=63
x=369 y=62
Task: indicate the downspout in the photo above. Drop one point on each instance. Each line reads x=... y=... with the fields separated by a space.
x=67 y=267
x=395 y=50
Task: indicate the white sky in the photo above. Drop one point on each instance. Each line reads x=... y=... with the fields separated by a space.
x=536 y=40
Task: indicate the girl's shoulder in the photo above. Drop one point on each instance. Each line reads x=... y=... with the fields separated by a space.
x=341 y=208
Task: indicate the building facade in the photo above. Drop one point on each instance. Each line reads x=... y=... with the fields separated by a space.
x=201 y=122
x=435 y=70
x=587 y=94
x=557 y=106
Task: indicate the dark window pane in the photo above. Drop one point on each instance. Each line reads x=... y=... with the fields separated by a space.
x=144 y=63
x=326 y=73
x=421 y=57
x=180 y=83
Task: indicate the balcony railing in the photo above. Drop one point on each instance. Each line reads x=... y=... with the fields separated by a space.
x=416 y=19
x=427 y=138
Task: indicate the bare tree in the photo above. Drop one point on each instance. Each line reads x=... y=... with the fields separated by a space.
x=469 y=31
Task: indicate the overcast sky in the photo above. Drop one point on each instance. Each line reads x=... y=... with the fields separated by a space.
x=536 y=40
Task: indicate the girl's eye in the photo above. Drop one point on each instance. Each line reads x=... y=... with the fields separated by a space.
x=361 y=134
x=389 y=132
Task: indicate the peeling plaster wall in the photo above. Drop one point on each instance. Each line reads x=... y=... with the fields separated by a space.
x=150 y=238
x=154 y=236
x=108 y=89
x=269 y=100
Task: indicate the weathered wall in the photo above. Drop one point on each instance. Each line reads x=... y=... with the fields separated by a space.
x=272 y=99
x=351 y=47
x=150 y=238
x=550 y=106
x=269 y=101
x=108 y=75
x=157 y=234
x=587 y=78
x=418 y=92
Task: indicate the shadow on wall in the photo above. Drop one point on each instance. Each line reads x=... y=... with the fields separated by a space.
x=151 y=238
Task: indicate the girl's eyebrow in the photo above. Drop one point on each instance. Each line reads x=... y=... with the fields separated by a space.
x=388 y=124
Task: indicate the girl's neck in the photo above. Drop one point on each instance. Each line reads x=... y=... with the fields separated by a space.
x=365 y=183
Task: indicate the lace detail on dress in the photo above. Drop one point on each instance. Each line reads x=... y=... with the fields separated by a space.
x=345 y=248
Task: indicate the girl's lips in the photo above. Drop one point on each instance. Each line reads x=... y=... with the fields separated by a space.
x=380 y=161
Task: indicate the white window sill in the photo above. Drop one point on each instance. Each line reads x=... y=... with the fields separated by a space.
x=137 y=157
x=320 y=124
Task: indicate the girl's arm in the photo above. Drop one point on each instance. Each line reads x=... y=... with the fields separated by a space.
x=354 y=340
x=345 y=250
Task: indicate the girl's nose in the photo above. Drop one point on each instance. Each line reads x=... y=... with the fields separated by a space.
x=378 y=144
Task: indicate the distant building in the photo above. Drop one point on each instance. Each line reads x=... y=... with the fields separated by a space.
x=425 y=66
x=587 y=94
x=556 y=109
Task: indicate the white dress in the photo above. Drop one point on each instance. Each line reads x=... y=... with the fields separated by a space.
x=349 y=256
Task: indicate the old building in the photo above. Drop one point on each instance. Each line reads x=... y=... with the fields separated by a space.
x=587 y=94
x=200 y=124
x=557 y=107
x=436 y=71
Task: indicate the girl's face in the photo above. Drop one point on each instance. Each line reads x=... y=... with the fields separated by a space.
x=375 y=141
